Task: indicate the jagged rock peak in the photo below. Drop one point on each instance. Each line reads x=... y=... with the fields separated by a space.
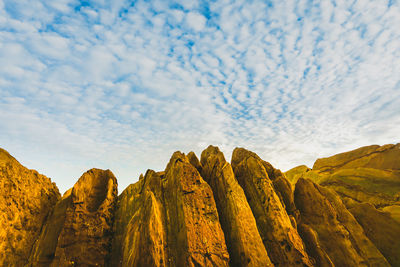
x=242 y=237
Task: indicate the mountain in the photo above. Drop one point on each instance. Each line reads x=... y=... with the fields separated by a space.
x=208 y=212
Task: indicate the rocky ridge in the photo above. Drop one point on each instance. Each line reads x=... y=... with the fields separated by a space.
x=208 y=212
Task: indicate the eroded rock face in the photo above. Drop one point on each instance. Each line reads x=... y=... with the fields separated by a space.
x=280 y=237
x=140 y=225
x=79 y=230
x=194 y=234
x=369 y=174
x=242 y=237
x=208 y=213
x=26 y=199
x=336 y=234
x=380 y=228
x=169 y=219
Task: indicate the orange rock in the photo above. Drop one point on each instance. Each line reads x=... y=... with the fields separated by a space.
x=194 y=234
x=26 y=199
x=79 y=230
x=242 y=237
x=280 y=237
x=335 y=229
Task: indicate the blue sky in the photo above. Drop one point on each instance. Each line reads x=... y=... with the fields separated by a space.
x=124 y=84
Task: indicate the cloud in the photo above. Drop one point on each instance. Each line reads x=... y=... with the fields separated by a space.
x=122 y=85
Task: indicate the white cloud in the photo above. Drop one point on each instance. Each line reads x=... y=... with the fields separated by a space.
x=196 y=21
x=122 y=87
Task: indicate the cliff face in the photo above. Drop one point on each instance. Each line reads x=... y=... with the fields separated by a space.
x=26 y=199
x=208 y=212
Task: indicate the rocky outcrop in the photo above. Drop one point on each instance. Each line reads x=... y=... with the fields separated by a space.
x=242 y=237
x=140 y=234
x=376 y=157
x=335 y=232
x=380 y=229
x=280 y=237
x=169 y=219
x=343 y=212
x=79 y=230
x=194 y=234
x=369 y=174
x=26 y=199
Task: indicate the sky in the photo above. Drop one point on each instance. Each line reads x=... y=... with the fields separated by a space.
x=121 y=85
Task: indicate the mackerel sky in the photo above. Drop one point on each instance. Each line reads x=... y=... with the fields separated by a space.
x=121 y=85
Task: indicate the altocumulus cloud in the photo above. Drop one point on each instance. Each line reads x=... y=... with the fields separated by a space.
x=121 y=84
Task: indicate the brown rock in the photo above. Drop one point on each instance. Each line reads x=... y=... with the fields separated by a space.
x=242 y=237
x=26 y=199
x=194 y=161
x=283 y=243
x=336 y=230
x=376 y=157
x=79 y=230
x=194 y=234
x=144 y=240
x=380 y=228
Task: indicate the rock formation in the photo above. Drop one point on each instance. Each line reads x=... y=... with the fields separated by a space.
x=242 y=237
x=26 y=199
x=343 y=212
x=280 y=237
x=79 y=230
x=340 y=238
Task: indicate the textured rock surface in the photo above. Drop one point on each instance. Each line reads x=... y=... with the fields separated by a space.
x=242 y=237
x=369 y=174
x=140 y=236
x=380 y=228
x=336 y=230
x=246 y=214
x=79 y=231
x=194 y=234
x=280 y=237
x=26 y=198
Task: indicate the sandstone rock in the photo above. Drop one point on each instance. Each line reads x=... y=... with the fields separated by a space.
x=281 y=239
x=380 y=229
x=393 y=211
x=127 y=205
x=377 y=157
x=368 y=174
x=296 y=173
x=242 y=237
x=194 y=161
x=144 y=240
x=336 y=230
x=26 y=199
x=194 y=234
x=79 y=230
x=313 y=246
